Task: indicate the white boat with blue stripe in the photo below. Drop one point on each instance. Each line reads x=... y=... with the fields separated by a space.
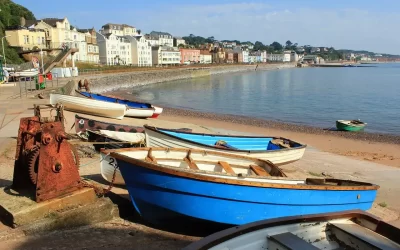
x=278 y=150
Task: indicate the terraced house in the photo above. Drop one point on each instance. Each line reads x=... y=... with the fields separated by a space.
x=141 y=51
x=92 y=47
x=114 y=50
x=164 y=38
x=118 y=29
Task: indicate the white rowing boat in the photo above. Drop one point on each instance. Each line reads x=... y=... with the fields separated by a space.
x=260 y=147
x=353 y=229
x=89 y=106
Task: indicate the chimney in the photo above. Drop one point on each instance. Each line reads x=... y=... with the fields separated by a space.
x=22 y=21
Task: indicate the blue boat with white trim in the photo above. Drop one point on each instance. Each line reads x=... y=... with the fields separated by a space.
x=169 y=185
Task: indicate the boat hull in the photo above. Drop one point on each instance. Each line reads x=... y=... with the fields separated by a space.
x=159 y=197
x=89 y=106
x=136 y=109
x=278 y=157
x=345 y=127
x=83 y=123
x=140 y=112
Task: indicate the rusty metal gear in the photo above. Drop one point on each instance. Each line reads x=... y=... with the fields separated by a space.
x=33 y=157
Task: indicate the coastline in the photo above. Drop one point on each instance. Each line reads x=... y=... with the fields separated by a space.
x=120 y=81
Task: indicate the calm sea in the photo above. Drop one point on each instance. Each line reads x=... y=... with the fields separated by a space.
x=308 y=96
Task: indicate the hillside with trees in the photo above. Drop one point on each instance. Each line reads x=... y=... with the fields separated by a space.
x=10 y=14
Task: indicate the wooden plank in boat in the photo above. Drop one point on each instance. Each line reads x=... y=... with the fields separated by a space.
x=259 y=170
x=190 y=162
x=289 y=241
x=226 y=167
x=356 y=236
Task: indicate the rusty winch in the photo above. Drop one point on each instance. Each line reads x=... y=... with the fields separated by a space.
x=45 y=162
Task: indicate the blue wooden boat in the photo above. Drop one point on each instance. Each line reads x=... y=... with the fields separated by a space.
x=131 y=104
x=278 y=150
x=169 y=185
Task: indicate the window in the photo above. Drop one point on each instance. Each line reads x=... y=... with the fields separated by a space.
x=27 y=39
x=43 y=42
x=38 y=40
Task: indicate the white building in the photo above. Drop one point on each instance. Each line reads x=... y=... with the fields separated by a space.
x=275 y=57
x=154 y=41
x=245 y=55
x=164 y=38
x=286 y=56
x=141 y=51
x=178 y=41
x=165 y=55
x=263 y=56
x=118 y=29
x=294 y=57
x=114 y=50
x=205 y=58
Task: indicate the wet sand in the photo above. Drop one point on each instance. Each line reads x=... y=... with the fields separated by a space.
x=379 y=148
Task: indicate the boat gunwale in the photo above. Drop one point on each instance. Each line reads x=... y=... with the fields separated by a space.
x=71 y=96
x=156 y=129
x=382 y=228
x=197 y=174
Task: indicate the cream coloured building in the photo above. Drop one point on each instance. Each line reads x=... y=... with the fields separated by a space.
x=60 y=34
x=25 y=38
x=118 y=29
x=165 y=55
x=114 y=50
x=141 y=51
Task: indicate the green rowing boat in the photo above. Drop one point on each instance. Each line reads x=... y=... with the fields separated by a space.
x=350 y=125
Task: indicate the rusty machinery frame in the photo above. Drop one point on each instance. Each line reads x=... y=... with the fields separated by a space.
x=46 y=165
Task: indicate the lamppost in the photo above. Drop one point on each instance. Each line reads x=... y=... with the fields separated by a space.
x=41 y=55
x=4 y=55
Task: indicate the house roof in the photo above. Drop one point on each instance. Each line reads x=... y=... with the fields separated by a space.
x=52 y=21
x=150 y=37
x=159 y=33
x=119 y=26
x=85 y=30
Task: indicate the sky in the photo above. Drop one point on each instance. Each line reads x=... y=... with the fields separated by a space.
x=343 y=24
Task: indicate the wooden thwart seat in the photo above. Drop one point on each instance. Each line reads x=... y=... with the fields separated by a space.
x=289 y=241
x=190 y=161
x=228 y=169
x=259 y=170
x=356 y=236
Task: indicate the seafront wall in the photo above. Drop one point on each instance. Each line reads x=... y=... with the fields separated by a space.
x=105 y=83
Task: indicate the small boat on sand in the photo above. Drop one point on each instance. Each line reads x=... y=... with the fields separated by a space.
x=278 y=150
x=136 y=109
x=89 y=106
x=173 y=185
x=353 y=229
x=84 y=123
x=115 y=139
x=350 y=125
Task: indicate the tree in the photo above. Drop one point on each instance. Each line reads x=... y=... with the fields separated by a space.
x=288 y=44
x=276 y=46
x=210 y=39
x=259 y=46
x=139 y=31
